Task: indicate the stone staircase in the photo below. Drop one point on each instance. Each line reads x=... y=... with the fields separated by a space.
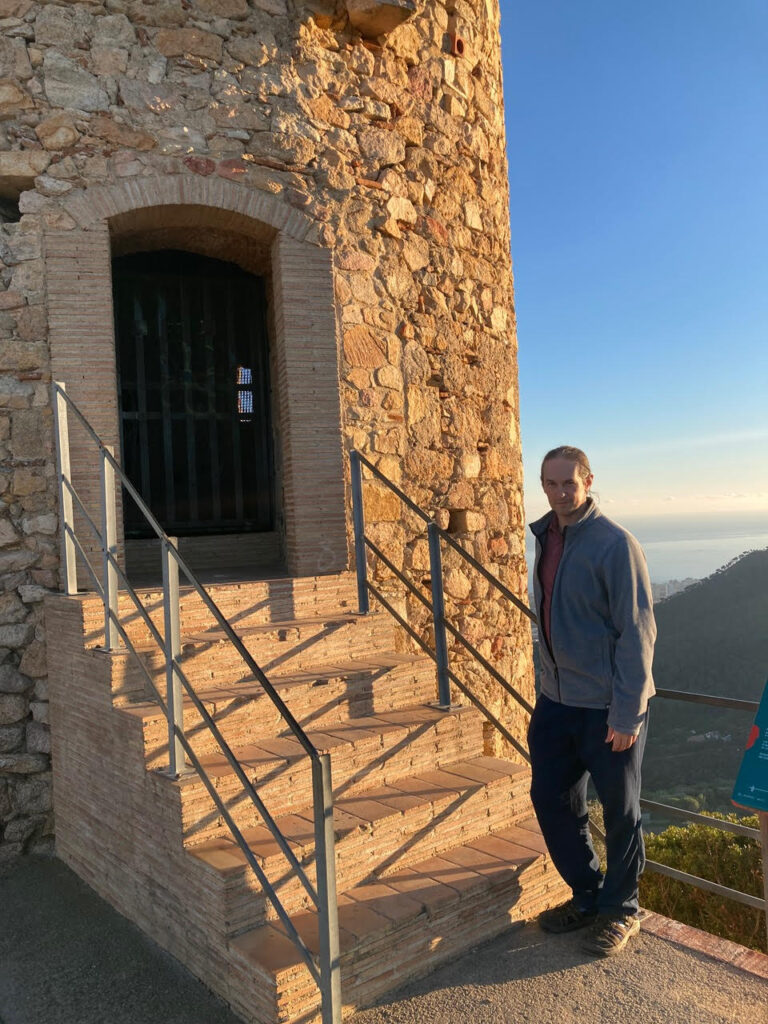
x=436 y=846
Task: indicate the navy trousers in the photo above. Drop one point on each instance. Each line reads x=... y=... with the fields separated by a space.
x=567 y=745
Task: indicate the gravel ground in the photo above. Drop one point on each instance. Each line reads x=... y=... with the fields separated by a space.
x=67 y=958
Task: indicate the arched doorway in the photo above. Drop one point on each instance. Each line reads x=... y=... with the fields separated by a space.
x=263 y=237
x=193 y=391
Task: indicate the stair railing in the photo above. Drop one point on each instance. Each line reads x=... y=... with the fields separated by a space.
x=326 y=972
x=435 y=534
x=439 y=655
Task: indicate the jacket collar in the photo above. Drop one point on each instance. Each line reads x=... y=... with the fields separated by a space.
x=540 y=526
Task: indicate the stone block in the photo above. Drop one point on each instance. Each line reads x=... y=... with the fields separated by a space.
x=378 y=17
x=382 y=147
x=470 y=465
x=14 y=61
x=33 y=661
x=11 y=737
x=11 y=300
x=39 y=709
x=30 y=795
x=362 y=348
x=381 y=505
x=19 y=830
x=16 y=635
x=13 y=99
x=466 y=521
x=12 y=681
x=233 y=9
x=402 y=209
x=45 y=524
x=28 y=480
x=18 y=356
x=58 y=26
x=114 y=30
x=108 y=60
x=18 y=170
x=390 y=377
x=8 y=534
x=13 y=708
x=38 y=738
x=68 y=85
x=12 y=610
x=283 y=147
x=277 y=7
x=14 y=8
x=15 y=561
x=192 y=41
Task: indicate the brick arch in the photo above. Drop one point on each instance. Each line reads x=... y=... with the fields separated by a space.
x=82 y=341
x=106 y=203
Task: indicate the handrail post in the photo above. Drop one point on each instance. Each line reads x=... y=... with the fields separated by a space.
x=61 y=427
x=173 y=692
x=325 y=860
x=358 y=518
x=109 y=550
x=438 y=614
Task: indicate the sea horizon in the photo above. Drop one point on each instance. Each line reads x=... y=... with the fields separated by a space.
x=679 y=546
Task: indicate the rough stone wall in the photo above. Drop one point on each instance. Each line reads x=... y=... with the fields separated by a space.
x=395 y=149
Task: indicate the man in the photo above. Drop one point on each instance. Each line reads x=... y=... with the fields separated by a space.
x=596 y=636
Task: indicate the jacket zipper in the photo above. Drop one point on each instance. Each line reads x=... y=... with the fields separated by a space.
x=541 y=618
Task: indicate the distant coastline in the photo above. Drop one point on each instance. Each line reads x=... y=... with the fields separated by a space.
x=683 y=548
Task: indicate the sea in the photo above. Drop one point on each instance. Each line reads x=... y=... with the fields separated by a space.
x=679 y=547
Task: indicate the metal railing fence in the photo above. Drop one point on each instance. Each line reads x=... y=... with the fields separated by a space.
x=325 y=973
x=445 y=675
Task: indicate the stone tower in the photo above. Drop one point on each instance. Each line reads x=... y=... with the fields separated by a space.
x=347 y=159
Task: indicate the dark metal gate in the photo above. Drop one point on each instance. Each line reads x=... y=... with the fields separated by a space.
x=193 y=384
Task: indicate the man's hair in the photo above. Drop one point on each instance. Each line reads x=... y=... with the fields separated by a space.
x=566 y=451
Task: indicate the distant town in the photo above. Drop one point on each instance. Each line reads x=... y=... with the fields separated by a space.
x=669 y=587
x=661 y=591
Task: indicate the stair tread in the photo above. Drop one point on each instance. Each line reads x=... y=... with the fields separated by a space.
x=217 y=635
x=267 y=750
x=369 y=909
x=357 y=811
x=148 y=709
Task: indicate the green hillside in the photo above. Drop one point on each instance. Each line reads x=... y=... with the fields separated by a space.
x=713 y=638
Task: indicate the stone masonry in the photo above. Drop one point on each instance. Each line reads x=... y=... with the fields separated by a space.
x=365 y=175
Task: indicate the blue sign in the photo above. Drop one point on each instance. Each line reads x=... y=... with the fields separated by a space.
x=751 y=789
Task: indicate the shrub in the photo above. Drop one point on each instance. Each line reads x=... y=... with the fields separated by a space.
x=723 y=857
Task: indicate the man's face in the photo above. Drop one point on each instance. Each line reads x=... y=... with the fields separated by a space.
x=565 y=487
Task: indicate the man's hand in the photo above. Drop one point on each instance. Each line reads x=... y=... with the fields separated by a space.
x=619 y=740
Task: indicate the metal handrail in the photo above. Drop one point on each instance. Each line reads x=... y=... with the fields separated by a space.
x=444 y=535
x=441 y=625
x=710 y=699
x=326 y=975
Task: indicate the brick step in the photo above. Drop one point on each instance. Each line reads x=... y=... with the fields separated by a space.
x=243 y=604
x=319 y=698
x=209 y=659
x=368 y=751
x=378 y=833
x=399 y=929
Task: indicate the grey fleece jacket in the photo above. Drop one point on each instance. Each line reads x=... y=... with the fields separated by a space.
x=602 y=626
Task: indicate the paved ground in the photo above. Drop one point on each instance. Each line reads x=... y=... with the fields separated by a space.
x=526 y=977
x=68 y=958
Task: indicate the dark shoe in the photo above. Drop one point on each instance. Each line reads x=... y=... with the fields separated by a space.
x=609 y=935
x=568 y=917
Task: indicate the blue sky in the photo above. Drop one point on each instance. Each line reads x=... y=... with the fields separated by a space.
x=638 y=153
